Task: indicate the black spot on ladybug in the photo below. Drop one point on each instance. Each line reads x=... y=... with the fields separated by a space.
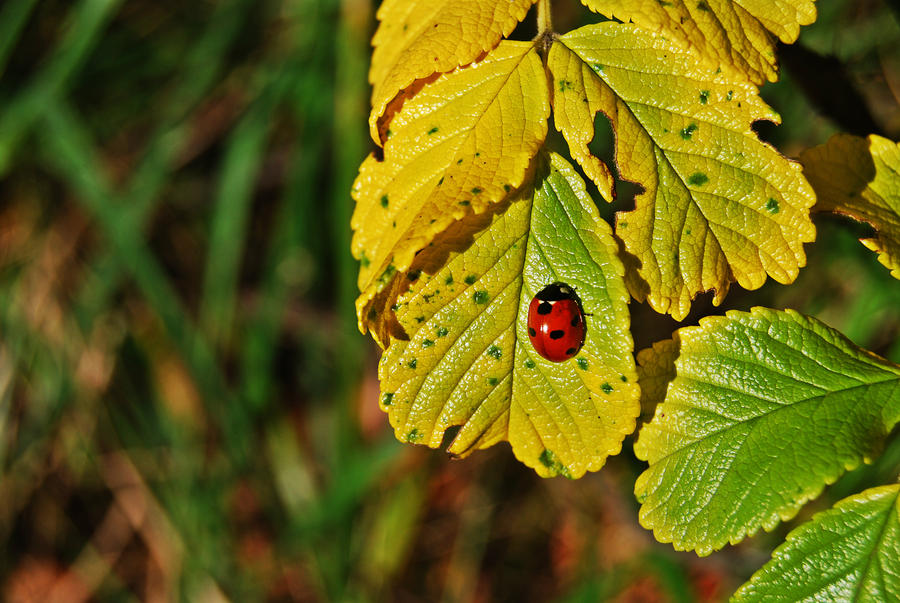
x=532 y=332
x=557 y=334
x=571 y=352
x=576 y=320
x=545 y=308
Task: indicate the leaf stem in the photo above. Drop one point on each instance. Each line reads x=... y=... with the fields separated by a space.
x=544 y=18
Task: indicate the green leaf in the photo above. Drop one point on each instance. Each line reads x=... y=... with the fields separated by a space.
x=738 y=35
x=461 y=144
x=468 y=360
x=860 y=177
x=848 y=553
x=765 y=409
x=718 y=205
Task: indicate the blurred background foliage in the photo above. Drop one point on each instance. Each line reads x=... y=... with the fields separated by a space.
x=187 y=411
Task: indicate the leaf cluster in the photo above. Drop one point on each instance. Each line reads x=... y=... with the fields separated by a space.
x=463 y=213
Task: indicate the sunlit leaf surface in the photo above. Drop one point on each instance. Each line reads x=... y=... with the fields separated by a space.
x=469 y=362
x=718 y=204
x=765 y=409
x=462 y=143
x=738 y=35
x=848 y=553
x=418 y=38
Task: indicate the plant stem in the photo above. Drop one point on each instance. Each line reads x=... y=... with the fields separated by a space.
x=544 y=17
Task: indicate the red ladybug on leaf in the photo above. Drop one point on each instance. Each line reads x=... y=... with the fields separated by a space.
x=556 y=324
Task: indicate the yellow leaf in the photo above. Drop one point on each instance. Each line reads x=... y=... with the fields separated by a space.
x=656 y=370
x=417 y=38
x=718 y=204
x=461 y=144
x=736 y=35
x=860 y=177
x=468 y=360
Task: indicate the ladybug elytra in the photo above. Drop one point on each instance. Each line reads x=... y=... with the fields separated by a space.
x=556 y=324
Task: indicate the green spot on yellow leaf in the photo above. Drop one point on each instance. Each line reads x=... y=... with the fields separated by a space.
x=529 y=363
x=414 y=436
x=704 y=97
x=607 y=388
x=688 y=131
x=698 y=179
x=582 y=363
x=470 y=279
x=412 y=363
x=495 y=352
x=549 y=460
x=427 y=343
x=442 y=331
x=432 y=130
x=772 y=206
x=387 y=399
x=481 y=297
x=492 y=381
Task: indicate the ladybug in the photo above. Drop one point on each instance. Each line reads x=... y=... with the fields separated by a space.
x=556 y=324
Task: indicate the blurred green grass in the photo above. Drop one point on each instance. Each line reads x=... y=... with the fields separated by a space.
x=187 y=411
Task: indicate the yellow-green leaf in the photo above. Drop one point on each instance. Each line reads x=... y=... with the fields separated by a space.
x=459 y=145
x=656 y=369
x=850 y=552
x=718 y=204
x=735 y=34
x=765 y=408
x=468 y=360
x=417 y=38
x=860 y=177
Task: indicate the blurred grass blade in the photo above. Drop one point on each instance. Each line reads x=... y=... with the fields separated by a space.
x=86 y=24
x=68 y=150
x=350 y=145
x=13 y=17
x=202 y=66
x=243 y=158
